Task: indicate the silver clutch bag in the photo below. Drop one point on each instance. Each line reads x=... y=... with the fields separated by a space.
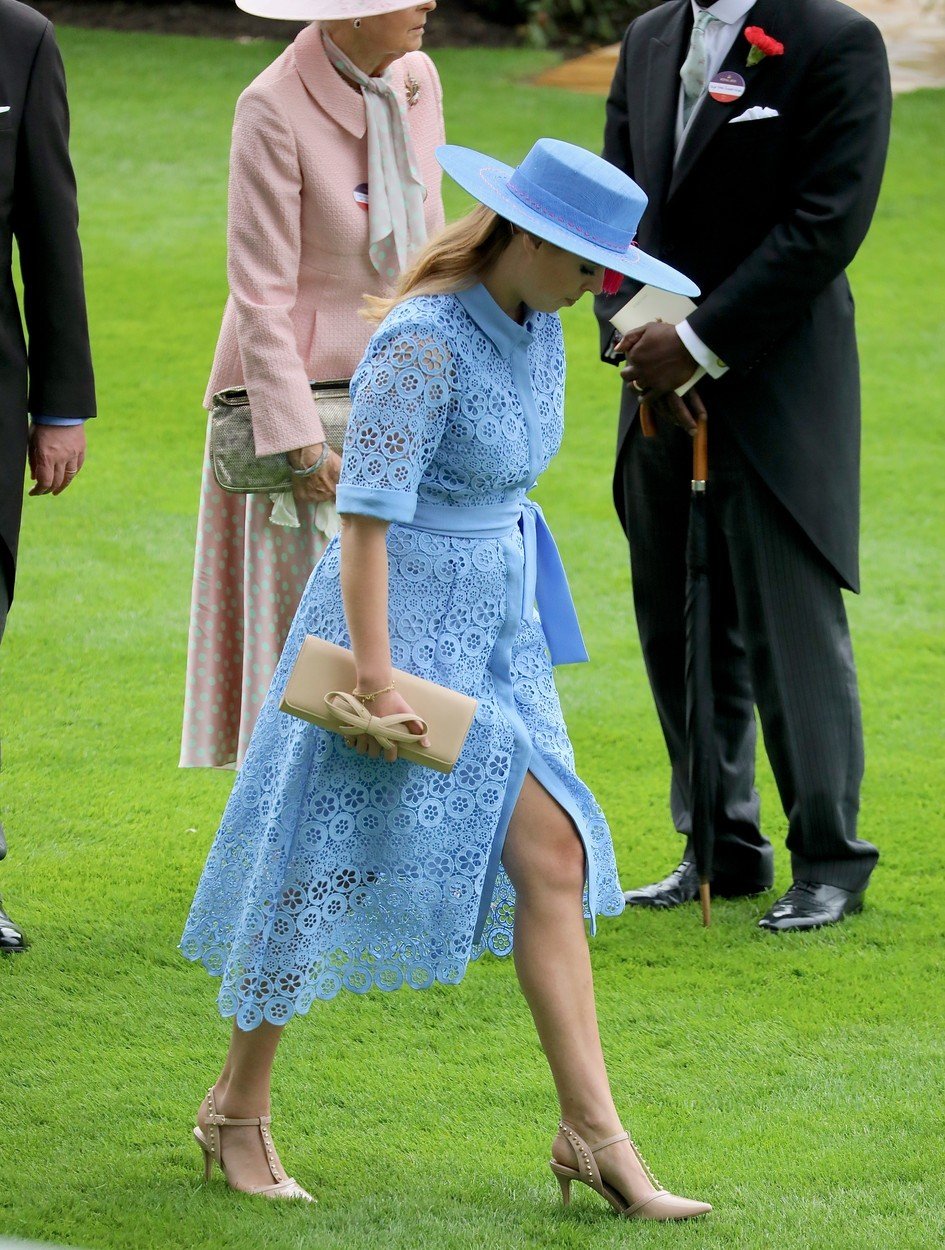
x=236 y=466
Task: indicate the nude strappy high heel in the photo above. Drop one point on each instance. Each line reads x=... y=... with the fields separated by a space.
x=209 y=1143
x=659 y=1206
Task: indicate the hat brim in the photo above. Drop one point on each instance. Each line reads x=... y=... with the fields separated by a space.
x=486 y=179
x=319 y=10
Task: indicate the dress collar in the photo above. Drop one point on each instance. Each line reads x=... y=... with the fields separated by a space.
x=506 y=334
x=342 y=102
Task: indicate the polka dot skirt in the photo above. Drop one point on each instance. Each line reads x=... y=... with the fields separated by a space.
x=248 y=579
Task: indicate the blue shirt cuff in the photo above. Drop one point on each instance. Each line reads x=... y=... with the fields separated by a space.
x=59 y=420
x=385 y=505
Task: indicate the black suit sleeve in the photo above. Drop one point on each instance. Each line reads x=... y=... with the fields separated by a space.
x=45 y=222
x=840 y=160
x=617 y=151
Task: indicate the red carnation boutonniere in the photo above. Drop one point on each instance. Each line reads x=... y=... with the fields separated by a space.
x=762 y=45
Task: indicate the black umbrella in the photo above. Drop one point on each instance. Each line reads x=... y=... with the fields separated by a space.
x=700 y=702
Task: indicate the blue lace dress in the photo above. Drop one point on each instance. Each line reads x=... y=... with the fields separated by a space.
x=331 y=871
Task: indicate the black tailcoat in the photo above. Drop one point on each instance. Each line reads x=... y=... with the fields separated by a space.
x=765 y=216
x=48 y=372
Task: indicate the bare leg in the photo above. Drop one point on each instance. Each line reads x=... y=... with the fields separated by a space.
x=242 y=1090
x=545 y=862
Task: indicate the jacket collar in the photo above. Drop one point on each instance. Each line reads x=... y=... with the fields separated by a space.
x=343 y=103
x=664 y=56
x=710 y=117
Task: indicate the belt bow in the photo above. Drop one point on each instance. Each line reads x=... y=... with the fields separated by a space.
x=546 y=584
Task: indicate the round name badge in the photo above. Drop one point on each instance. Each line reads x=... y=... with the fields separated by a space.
x=727 y=87
x=361 y=196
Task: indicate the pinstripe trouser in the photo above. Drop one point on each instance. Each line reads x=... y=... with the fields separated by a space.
x=780 y=641
x=4 y=609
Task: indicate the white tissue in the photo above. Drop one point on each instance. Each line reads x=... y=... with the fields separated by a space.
x=284 y=512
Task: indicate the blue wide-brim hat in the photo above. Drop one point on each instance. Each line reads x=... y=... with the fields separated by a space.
x=570 y=197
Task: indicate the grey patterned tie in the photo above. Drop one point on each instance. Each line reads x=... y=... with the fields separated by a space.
x=695 y=68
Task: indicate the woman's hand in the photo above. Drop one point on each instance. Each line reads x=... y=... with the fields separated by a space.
x=320 y=486
x=388 y=704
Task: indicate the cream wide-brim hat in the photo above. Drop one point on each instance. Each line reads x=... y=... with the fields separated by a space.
x=320 y=10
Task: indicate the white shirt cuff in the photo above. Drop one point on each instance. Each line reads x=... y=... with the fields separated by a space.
x=702 y=354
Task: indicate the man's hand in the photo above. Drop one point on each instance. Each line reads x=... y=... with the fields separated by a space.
x=684 y=412
x=57 y=453
x=657 y=361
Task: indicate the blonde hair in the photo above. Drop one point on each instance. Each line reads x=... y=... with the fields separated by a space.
x=453 y=261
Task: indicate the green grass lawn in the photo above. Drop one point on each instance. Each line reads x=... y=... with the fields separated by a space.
x=796 y=1082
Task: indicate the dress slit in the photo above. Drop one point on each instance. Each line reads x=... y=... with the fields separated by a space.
x=330 y=872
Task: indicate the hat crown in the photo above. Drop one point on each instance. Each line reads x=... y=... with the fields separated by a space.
x=556 y=174
x=572 y=199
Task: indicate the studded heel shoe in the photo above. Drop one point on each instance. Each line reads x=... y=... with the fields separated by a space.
x=210 y=1144
x=659 y=1206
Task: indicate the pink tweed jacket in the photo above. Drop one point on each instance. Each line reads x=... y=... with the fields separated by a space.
x=298 y=238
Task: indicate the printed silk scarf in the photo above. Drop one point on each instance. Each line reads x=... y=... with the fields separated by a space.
x=395 y=188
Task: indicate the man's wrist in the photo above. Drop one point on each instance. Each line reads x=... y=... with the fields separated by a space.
x=700 y=352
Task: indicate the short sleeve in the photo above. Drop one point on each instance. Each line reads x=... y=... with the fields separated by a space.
x=400 y=399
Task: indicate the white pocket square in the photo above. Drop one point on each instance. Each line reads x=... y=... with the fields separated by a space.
x=756 y=114
x=4 y=108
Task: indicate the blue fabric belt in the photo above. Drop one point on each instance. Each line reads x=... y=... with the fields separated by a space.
x=546 y=582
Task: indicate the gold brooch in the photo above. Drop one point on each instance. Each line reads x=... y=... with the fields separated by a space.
x=413 y=91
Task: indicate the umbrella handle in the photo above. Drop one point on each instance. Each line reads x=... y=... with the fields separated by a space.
x=646 y=421
x=700 y=451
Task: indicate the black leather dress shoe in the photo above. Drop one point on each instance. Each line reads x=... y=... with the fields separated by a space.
x=682 y=886
x=808 y=905
x=12 y=941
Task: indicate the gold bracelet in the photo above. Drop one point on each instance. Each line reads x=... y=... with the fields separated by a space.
x=369 y=698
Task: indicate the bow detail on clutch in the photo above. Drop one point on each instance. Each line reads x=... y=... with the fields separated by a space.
x=354 y=719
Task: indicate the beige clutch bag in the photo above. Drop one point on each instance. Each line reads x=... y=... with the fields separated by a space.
x=319 y=691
